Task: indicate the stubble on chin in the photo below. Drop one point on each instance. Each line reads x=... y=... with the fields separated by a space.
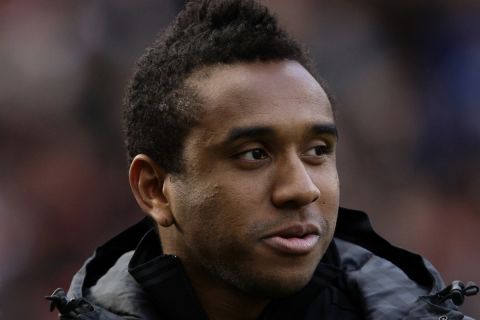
x=260 y=282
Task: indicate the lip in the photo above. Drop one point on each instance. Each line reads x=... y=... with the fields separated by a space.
x=298 y=239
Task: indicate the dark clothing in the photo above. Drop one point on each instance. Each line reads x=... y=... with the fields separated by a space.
x=361 y=276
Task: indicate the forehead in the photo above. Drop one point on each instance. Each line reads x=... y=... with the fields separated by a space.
x=279 y=94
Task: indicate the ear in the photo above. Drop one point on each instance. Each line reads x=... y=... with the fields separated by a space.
x=147 y=184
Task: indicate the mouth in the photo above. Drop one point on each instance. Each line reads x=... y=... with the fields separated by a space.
x=299 y=239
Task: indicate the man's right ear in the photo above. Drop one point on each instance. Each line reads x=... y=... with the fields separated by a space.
x=146 y=181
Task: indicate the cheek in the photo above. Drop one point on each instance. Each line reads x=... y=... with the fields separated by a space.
x=329 y=186
x=327 y=182
x=210 y=213
x=218 y=228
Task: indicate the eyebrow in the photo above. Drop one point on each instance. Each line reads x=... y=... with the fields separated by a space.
x=248 y=132
x=261 y=131
x=330 y=129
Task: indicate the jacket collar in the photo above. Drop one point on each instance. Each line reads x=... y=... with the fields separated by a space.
x=354 y=226
x=164 y=279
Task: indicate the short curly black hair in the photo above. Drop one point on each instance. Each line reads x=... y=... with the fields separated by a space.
x=159 y=109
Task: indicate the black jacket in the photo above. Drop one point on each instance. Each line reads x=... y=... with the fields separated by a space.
x=361 y=276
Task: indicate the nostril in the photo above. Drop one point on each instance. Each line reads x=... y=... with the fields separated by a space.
x=291 y=204
x=294 y=199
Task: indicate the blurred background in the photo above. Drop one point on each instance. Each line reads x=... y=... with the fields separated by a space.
x=406 y=75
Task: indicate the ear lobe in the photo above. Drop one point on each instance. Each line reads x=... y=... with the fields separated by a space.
x=147 y=183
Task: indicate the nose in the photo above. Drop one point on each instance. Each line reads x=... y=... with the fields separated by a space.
x=293 y=185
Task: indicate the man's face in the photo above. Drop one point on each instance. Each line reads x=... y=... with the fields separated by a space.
x=256 y=205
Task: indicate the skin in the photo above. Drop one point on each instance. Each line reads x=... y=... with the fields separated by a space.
x=233 y=192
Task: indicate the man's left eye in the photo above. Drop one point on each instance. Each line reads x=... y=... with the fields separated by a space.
x=318 y=151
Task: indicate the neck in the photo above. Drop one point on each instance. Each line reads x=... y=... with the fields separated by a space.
x=223 y=301
x=219 y=299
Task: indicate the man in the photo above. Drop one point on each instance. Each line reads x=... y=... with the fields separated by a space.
x=231 y=140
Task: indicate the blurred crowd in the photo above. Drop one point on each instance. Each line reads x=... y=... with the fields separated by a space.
x=407 y=79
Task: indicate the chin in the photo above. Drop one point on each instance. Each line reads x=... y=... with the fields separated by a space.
x=264 y=280
x=277 y=285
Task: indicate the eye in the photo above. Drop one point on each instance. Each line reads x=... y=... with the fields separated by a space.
x=253 y=155
x=318 y=151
